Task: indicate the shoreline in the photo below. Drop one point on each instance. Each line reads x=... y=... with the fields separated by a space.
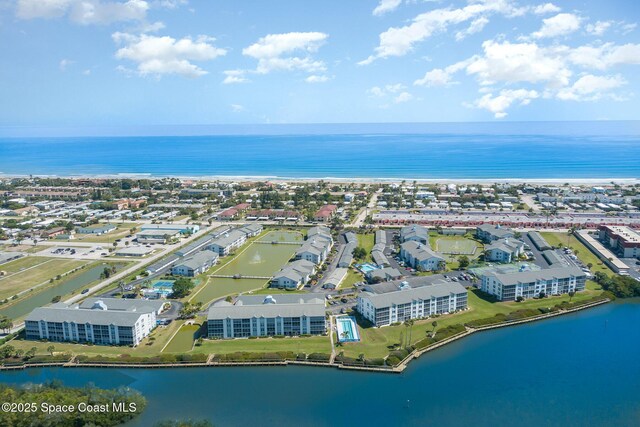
x=398 y=369
x=359 y=180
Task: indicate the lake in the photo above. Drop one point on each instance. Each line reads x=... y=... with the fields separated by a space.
x=576 y=370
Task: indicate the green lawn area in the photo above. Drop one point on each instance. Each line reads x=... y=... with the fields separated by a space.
x=316 y=344
x=352 y=277
x=122 y=230
x=374 y=341
x=367 y=241
x=22 y=263
x=13 y=283
x=585 y=255
x=183 y=341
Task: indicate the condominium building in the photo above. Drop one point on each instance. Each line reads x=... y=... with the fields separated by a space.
x=504 y=250
x=257 y=316
x=412 y=298
x=108 y=321
x=488 y=232
x=196 y=264
x=416 y=233
x=421 y=256
x=623 y=240
x=531 y=284
x=293 y=275
x=228 y=242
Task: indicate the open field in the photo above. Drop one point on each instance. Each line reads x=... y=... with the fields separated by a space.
x=375 y=341
x=585 y=255
x=122 y=230
x=22 y=264
x=39 y=274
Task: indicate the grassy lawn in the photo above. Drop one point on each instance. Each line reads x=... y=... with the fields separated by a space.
x=121 y=231
x=22 y=263
x=585 y=255
x=367 y=241
x=375 y=341
x=352 y=277
x=183 y=341
x=317 y=344
x=40 y=274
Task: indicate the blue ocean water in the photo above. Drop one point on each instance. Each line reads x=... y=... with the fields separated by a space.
x=575 y=370
x=463 y=152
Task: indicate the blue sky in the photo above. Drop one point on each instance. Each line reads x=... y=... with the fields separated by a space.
x=160 y=62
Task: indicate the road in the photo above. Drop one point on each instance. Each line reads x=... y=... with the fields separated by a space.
x=362 y=215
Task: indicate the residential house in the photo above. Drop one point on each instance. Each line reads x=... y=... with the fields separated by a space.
x=504 y=250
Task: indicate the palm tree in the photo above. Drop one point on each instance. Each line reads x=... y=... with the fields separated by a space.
x=434 y=324
x=571 y=294
x=51 y=349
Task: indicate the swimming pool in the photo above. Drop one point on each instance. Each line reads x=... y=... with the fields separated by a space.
x=347 y=329
x=367 y=267
x=163 y=287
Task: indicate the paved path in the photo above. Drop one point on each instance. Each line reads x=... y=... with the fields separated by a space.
x=362 y=215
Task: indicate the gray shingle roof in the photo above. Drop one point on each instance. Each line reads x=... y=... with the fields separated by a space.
x=283 y=305
x=420 y=251
x=422 y=287
x=199 y=260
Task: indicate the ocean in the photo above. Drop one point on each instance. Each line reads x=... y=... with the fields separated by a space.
x=439 y=152
x=579 y=369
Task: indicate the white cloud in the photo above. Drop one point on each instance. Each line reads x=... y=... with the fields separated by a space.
x=276 y=52
x=543 y=9
x=402 y=98
x=386 y=6
x=441 y=77
x=317 y=79
x=64 y=64
x=237 y=108
x=500 y=103
x=389 y=89
x=234 y=76
x=605 y=56
x=476 y=26
x=558 y=25
x=398 y=41
x=598 y=28
x=84 y=12
x=157 y=55
x=591 y=88
x=520 y=62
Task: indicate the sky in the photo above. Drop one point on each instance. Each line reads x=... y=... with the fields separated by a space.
x=186 y=62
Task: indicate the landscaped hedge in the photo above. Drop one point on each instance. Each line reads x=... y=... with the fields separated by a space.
x=126 y=358
x=319 y=357
x=350 y=361
x=441 y=334
x=279 y=356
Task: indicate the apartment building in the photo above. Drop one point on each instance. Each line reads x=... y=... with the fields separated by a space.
x=259 y=316
x=412 y=298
